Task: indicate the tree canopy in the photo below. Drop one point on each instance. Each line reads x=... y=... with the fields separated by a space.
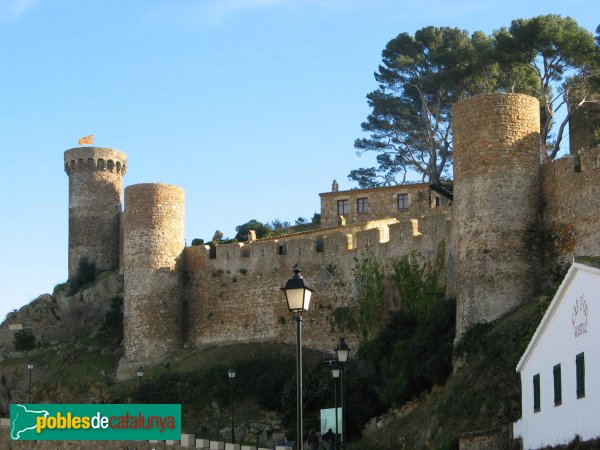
x=419 y=80
x=276 y=227
x=422 y=76
x=563 y=57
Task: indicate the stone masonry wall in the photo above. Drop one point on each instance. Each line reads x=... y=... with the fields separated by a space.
x=153 y=243
x=496 y=195
x=571 y=188
x=382 y=203
x=236 y=296
x=584 y=122
x=498 y=439
x=95 y=187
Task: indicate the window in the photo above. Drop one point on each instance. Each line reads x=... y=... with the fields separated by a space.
x=320 y=244
x=402 y=201
x=536 y=393
x=557 y=385
x=437 y=201
x=362 y=205
x=580 y=374
x=282 y=249
x=342 y=206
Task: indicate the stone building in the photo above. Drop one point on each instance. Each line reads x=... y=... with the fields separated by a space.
x=401 y=202
x=507 y=217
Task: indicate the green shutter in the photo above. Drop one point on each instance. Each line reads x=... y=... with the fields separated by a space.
x=557 y=385
x=536 y=392
x=580 y=372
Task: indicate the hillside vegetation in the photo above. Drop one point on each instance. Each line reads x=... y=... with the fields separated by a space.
x=483 y=392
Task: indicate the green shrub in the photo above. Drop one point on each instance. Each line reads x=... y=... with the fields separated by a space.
x=112 y=327
x=420 y=286
x=24 y=340
x=86 y=273
x=412 y=354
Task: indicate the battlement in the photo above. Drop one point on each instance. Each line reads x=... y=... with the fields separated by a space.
x=331 y=242
x=584 y=161
x=571 y=187
x=95 y=158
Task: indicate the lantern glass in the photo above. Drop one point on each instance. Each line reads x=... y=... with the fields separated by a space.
x=298 y=299
x=140 y=372
x=342 y=355
x=335 y=372
x=231 y=373
x=297 y=293
x=342 y=351
x=30 y=366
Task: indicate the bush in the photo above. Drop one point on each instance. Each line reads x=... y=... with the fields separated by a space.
x=86 y=273
x=24 y=340
x=412 y=353
x=112 y=327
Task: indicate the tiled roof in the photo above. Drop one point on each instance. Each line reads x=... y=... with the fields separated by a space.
x=375 y=189
x=592 y=261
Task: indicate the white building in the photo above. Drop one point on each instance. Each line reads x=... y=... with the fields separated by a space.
x=560 y=370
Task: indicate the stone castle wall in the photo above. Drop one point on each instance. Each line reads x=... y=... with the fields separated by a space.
x=583 y=125
x=153 y=241
x=236 y=297
x=571 y=187
x=504 y=203
x=95 y=188
x=496 y=195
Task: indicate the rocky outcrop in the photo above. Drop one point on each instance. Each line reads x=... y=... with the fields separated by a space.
x=60 y=316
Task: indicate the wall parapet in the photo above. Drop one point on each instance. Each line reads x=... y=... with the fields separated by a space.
x=332 y=241
x=584 y=161
x=95 y=158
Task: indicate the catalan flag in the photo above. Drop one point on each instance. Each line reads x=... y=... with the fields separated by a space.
x=87 y=140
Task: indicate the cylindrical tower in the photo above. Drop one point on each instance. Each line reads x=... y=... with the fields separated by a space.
x=496 y=199
x=95 y=191
x=153 y=235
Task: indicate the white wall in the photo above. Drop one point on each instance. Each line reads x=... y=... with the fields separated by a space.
x=558 y=345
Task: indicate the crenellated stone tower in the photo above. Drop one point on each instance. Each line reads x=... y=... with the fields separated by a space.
x=95 y=191
x=153 y=242
x=496 y=206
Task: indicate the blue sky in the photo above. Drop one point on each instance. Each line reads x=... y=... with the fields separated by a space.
x=252 y=106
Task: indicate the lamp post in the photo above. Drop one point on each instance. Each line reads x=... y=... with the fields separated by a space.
x=297 y=295
x=231 y=375
x=341 y=353
x=335 y=373
x=30 y=368
x=140 y=374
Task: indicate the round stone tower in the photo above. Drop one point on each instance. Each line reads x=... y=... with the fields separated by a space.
x=496 y=199
x=95 y=191
x=153 y=242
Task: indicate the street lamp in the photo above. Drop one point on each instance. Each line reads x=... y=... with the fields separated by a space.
x=335 y=373
x=140 y=374
x=231 y=375
x=297 y=295
x=30 y=368
x=341 y=353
